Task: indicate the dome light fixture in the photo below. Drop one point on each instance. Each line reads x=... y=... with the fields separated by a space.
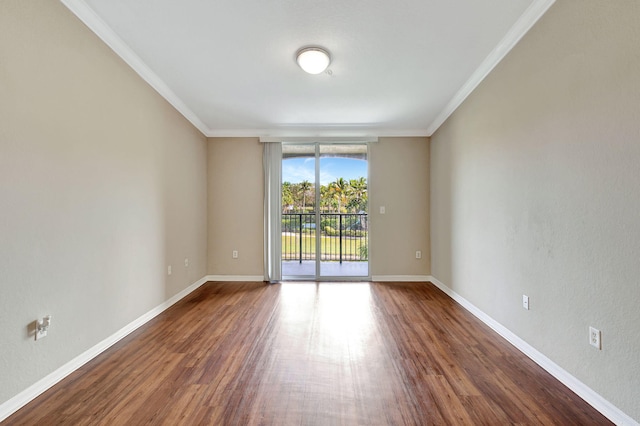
x=313 y=60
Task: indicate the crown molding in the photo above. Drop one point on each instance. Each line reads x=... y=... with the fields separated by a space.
x=537 y=9
x=327 y=131
x=89 y=17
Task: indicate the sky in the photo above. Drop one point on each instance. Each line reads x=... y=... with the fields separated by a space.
x=295 y=170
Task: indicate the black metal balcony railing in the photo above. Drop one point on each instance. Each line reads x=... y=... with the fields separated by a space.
x=343 y=236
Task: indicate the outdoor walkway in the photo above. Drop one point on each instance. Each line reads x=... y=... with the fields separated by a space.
x=327 y=269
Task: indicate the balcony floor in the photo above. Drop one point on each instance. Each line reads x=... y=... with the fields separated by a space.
x=327 y=269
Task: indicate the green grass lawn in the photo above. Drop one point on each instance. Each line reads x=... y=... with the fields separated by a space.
x=330 y=247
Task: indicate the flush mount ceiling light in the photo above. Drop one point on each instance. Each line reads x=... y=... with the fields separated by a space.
x=313 y=60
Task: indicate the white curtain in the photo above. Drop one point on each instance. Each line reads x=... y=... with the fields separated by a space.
x=272 y=164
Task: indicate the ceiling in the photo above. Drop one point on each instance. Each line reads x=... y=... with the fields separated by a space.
x=398 y=68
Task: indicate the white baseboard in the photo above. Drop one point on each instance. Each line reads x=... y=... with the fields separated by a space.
x=400 y=278
x=591 y=397
x=607 y=409
x=235 y=278
x=33 y=391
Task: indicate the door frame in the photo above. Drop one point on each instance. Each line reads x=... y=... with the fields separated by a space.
x=317 y=217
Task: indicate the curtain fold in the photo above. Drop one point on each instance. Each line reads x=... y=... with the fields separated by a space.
x=272 y=165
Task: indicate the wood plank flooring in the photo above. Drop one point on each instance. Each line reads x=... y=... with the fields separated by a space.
x=311 y=354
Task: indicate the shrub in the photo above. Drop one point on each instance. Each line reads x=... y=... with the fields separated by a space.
x=364 y=252
x=330 y=231
x=354 y=233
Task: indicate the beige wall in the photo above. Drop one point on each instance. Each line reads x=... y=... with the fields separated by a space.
x=535 y=190
x=399 y=181
x=103 y=184
x=236 y=218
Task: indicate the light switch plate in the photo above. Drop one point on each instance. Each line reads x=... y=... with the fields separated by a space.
x=595 y=338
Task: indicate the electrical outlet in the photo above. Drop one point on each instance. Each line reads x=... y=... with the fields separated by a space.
x=234 y=254
x=169 y=270
x=42 y=327
x=382 y=210
x=186 y=262
x=525 y=301
x=595 y=338
x=418 y=254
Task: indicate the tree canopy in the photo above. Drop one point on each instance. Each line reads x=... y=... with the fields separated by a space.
x=339 y=196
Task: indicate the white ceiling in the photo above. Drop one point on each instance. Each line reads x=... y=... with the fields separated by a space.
x=398 y=67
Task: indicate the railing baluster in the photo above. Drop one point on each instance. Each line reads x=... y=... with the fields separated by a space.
x=300 y=234
x=340 y=236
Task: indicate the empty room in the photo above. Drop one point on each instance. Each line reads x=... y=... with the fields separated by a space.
x=319 y=212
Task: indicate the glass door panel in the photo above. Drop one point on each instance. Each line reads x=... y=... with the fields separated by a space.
x=298 y=211
x=343 y=199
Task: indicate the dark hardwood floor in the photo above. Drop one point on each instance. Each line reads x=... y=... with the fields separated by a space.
x=311 y=354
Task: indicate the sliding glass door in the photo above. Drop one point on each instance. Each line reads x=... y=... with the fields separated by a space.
x=325 y=227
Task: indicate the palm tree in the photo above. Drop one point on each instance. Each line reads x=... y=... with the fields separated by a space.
x=325 y=198
x=305 y=186
x=358 y=194
x=287 y=195
x=339 y=190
